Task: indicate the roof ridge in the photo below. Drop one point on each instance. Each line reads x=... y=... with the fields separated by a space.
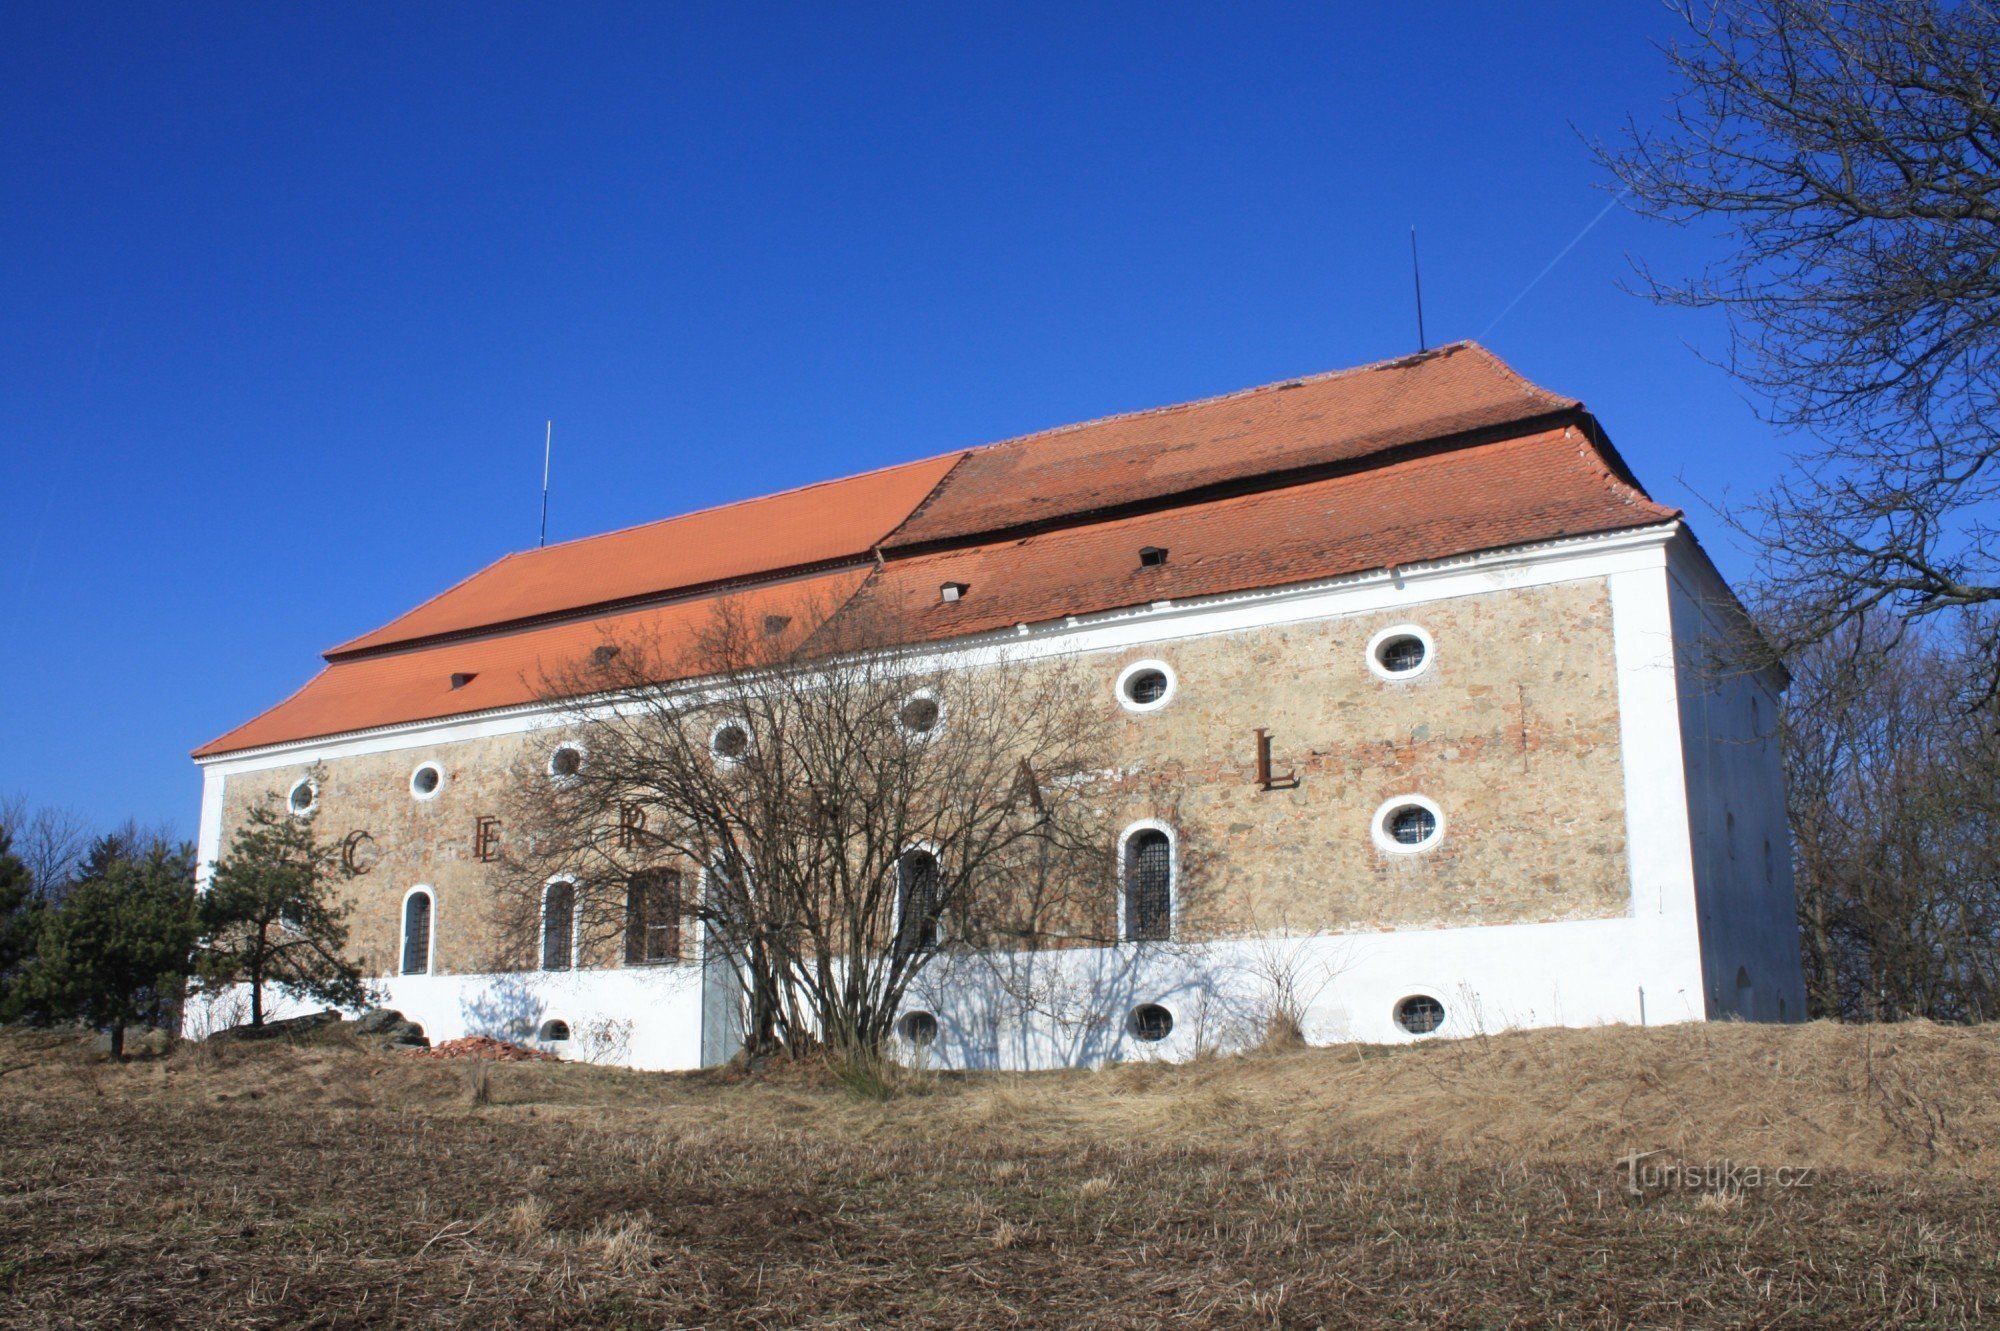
x=732 y=503
x=1276 y=385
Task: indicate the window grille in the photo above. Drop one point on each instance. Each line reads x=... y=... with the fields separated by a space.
x=1148 y=686
x=1149 y=886
x=558 y=924
x=1420 y=1014
x=1412 y=825
x=1151 y=1022
x=653 y=917
x=417 y=933
x=1399 y=656
x=917 y=889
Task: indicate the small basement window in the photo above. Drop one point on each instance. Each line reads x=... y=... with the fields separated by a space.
x=304 y=796
x=1402 y=652
x=1145 y=686
x=554 y=1031
x=919 y=1028
x=1420 y=1014
x=1151 y=1022
x=426 y=781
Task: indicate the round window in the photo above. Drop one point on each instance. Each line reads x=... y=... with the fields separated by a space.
x=1412 y=825
x=1145 y=685
x=919 y=1028
x=565 y=762
x=1401 y=655
x=730 y=741
x=1420 y=1014
x=304 y=796
x=919 y=715
x=1408 y=824
x=426 y=781
x=1400 y=652
x=1151 y=1022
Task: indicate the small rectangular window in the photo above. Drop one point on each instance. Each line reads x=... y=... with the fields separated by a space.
x=653 y=917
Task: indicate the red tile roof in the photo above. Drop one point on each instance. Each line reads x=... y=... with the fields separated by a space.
x=510 y=669
x=1512 y=492
x=816 y=525
x=1416 y=459
x=1288 y=427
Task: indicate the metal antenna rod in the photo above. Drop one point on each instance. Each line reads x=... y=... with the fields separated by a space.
x=1417 y=276
x=548 y=438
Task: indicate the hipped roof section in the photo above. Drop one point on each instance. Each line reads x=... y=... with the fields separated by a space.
x=1425 y=457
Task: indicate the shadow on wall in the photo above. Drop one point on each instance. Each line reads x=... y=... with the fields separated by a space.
x=1076 y=1008
x=506 y=1008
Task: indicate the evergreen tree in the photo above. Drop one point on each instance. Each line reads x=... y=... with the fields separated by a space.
x=271 y=914
x=116 y=952
x=20 y=922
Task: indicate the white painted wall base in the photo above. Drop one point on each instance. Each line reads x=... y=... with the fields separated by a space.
x=1069 y=1009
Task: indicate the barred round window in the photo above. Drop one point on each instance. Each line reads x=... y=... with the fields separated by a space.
x=1151 y=1022
x=1402 y=652
x=1412 y=825
x=304 y=796
x=1408 y=824
x=919 y=1028
x=1144 y=686
x=730 y=741
x=1420 y=1014
x=566 y=762
x=919 y=715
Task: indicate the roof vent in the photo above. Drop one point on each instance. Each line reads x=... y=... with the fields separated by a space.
x=602 y=656
x=463 y=677
x=776 y=624
x=952 y=591
x=1152 y=556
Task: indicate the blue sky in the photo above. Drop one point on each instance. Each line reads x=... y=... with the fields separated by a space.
x=286 y=291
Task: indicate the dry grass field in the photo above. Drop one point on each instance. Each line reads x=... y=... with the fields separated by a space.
x=1468 y=1185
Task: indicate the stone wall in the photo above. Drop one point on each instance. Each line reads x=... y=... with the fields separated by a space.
x=1512 y=730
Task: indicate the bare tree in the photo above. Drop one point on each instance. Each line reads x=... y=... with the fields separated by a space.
x=829 y=820
x=53 y=842
x=1894 y=783
x=1851 y=151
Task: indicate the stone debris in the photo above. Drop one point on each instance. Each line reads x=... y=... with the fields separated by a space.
x=485 y=1046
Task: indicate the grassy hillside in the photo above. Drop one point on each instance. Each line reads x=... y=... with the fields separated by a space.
x=1474 y=1184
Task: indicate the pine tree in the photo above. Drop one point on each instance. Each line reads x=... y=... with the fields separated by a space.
x=271 y=914
x=116 y=953
x=20 y=922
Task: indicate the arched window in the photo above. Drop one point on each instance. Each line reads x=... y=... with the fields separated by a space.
x=653 y=917
x=917 y=890
x=1147 y=867
x=558 y=925
x=417 y=932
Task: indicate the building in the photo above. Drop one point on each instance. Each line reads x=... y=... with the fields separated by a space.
x=1456 y=691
